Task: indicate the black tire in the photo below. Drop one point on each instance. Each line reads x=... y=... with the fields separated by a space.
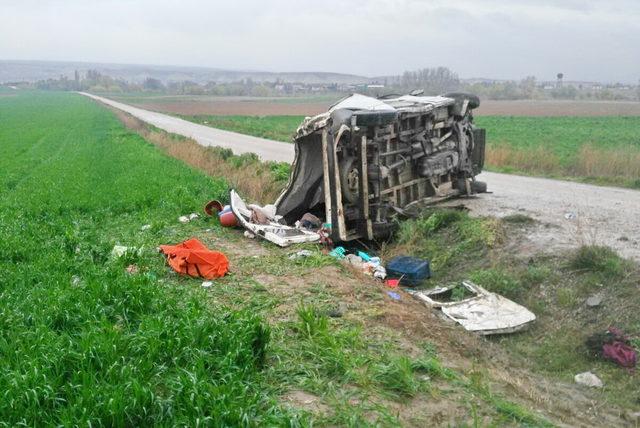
x=474 y=101
x=349 y=179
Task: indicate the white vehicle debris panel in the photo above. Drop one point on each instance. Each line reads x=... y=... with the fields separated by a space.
x=367 y=160
x=478 y=310
x=263 y=222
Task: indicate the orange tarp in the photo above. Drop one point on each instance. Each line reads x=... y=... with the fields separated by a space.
x=192 y=258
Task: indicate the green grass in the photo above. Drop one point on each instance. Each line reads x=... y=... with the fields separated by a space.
x=599 y=150
x=279 y=128
x=448 y=238
x=81 y=341
x=554 y=287
x=599 y=260
x=562 y=136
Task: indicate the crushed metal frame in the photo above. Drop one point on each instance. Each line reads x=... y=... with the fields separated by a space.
x=367 y=160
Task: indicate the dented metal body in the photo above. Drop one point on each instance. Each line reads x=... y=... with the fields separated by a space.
x=366 y=160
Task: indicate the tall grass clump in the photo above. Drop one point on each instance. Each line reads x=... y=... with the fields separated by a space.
x=598 y=259
x=620 y=162
x=538 y=160
x=82 y=342
x=445 y=237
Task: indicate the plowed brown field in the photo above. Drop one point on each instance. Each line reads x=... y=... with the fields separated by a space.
x=267 y=107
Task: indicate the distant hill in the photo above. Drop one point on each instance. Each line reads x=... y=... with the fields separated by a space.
x=31 y=71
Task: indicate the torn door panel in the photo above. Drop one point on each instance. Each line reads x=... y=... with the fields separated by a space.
x=484 y=312
x=271 y=230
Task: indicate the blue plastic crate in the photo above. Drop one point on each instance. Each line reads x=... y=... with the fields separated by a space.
x=411 y=270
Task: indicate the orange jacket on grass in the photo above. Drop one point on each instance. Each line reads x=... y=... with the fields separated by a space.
x=192 y=258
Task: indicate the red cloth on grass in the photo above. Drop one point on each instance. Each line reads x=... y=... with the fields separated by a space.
x=192 y=258
x=620 y=353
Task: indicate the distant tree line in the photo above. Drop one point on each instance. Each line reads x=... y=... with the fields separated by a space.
x=438 y=80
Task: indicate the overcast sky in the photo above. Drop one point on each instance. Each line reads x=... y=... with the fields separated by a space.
x=585 y=39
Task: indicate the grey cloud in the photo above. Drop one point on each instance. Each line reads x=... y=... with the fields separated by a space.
x=587 y=40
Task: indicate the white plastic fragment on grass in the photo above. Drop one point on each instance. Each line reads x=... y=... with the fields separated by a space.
x=187 y=218
x=301 y=254
x=484 y=312
x=588 y=379
x=120 y=250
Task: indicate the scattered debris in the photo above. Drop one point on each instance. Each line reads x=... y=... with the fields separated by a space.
x=380 y=272
x=120 y=250
x=309 y=221
x=132 y=269
x=262 y=215
x=227 y=218
x=588 y=379
x=570 y=216
x=76 y=281
x=411 y=270
x=362 y=262
x=212 y=208
x=393 y=283
x=613 y=345
x=187 y=218
x=207 y=284
x=338 y=253
x=301 y=254
x=146 y=227
x=393 y=295
x=193 y=258
x=355 y=261
x=250 y=217
x=484 y=312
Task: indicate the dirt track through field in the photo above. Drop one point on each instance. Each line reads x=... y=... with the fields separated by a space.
x=568 y=214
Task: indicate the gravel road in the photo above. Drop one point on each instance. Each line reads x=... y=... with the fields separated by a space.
x=207 y=136
x=568 y=214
